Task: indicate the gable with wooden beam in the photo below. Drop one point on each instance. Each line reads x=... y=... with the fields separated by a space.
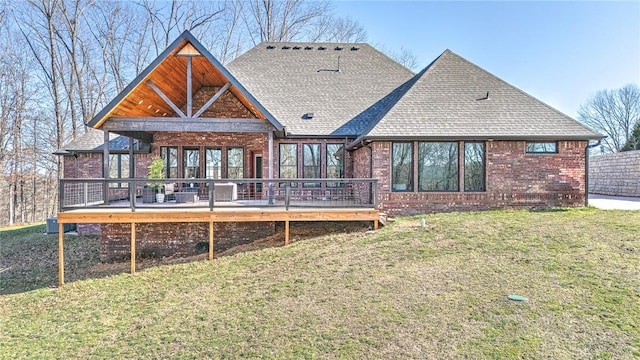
x=161 y=98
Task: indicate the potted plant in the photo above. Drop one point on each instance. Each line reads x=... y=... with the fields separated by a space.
x=156 y=172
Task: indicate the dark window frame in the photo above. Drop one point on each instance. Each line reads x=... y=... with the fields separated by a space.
x=484 y=167
x=165 y=154
x=119 y=171
x=544 y=151
x=228 y=173
x=206 y=165
x=280 y=166
x=317 y=167
x=457 y=167
x=341 y=167
x=411 y=174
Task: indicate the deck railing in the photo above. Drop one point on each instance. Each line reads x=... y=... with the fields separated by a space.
x=140 y=193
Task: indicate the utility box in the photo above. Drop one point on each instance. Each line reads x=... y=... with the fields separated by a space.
x=52 y=226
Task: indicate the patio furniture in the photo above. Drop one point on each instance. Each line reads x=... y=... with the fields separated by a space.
x=186 y=197
x=225 y=192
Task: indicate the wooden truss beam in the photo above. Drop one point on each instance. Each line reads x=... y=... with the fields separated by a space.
x=166 y=99
x=150 y=124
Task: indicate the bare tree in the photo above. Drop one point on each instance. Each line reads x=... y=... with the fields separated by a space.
x=403 y=56
x=634 y=141
x=613 y=113
x=331 y=28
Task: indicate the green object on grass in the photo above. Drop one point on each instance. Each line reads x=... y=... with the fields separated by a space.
x=517 y=298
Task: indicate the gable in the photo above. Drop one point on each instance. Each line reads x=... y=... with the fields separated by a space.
x=162 y=91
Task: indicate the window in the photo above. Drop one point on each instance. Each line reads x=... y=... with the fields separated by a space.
x=118 y=169
x=170 y=157
x=402 y=167
x=438 y=166
x=288 y=161
x=235 y=163
x=335 y=163
x=311 y=163
x=541 y=147
x=191 y=162
x=474 y=166
x=213 y=163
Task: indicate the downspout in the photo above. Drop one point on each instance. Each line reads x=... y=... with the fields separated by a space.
x=586 y=170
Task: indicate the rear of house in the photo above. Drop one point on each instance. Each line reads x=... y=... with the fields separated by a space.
x=308 y=124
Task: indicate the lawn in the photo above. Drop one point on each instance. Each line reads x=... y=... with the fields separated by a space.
x=405 y=291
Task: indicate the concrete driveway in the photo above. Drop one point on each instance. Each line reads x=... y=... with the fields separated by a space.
x=606 y=202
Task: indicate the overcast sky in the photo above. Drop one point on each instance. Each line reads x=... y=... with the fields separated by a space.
x=559 y=52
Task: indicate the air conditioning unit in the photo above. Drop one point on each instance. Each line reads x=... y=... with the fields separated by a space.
x=52 y=226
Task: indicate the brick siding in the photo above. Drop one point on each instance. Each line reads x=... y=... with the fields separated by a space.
x=177 y=239
x=514 y=179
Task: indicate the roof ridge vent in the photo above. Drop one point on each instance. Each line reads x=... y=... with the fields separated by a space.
x=296 y=47
x=355 y=48
x=286 y=47
x=308 y=47
x=270 y=47
x=322 y=48
x=338 y=48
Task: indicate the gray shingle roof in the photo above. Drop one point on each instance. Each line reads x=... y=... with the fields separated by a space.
x=445 y=101
x=93 y=141
x=292 y=79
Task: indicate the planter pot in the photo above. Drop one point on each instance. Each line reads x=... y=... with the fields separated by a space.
x=160 y=197
x=148 y=195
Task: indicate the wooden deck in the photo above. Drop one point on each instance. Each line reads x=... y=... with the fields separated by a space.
x=105 y=215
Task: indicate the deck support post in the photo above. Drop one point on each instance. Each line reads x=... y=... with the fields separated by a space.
x=210 y=240
x=286 y=232
x=133 y=248
x=60 y=254
x=375 y=224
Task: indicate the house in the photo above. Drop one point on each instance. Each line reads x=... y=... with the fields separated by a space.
x=344 y=125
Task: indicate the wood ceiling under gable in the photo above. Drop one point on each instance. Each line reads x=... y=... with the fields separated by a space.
x=170 y=76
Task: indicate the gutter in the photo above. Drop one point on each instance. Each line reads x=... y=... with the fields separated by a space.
x=586 y=169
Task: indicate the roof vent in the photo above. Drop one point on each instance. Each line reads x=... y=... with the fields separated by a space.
x=486 y=97
x=355 y=48
x=270 y=47
x=308 y=47
x=322 y=48
x=308 y=116
x=286 y=47
x=338 y=48
x=296 y=48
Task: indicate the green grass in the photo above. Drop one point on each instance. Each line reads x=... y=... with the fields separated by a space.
x=402 y=292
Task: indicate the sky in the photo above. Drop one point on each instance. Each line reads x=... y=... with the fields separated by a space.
x=559 y=52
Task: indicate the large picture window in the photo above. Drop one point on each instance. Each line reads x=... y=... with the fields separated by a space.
x=438 y=166
x=118 y=169
x=213 y=163
x=288 y=161
x=474 y=166
x=311 y=163
x=402 y=166
x=170 y=157
x=235 y=163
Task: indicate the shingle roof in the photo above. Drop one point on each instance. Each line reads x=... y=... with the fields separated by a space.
x=445 y=100
x=93 y=141
x=293 y=79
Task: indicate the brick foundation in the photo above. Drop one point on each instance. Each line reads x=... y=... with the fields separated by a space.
x=177 y=239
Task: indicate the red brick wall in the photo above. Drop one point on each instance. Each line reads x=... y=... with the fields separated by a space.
x=227 y=105
x=177 y=239
x=514 y=180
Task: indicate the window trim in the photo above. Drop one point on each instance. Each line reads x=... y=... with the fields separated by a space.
x=287 y=166
x=526 y=145
x=304 y=165
x=222 y=162
x=457 y=145
x=464 y=167
x=118 y=165
x=226 y=154
x=411 y=186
